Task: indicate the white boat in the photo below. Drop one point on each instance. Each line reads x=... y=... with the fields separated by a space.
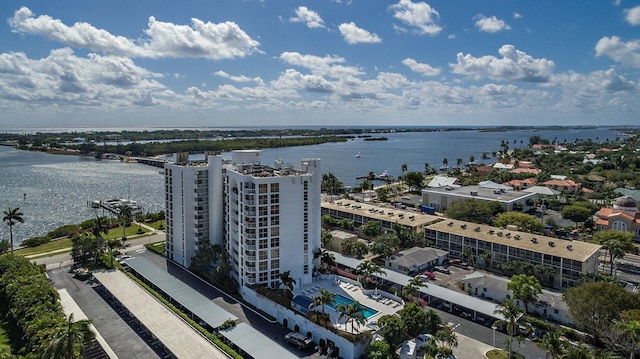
x=358 y=155
x=383 y=175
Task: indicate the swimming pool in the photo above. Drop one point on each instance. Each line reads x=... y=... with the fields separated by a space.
x=366 y=311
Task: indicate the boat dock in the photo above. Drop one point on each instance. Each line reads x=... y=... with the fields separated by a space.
x=114 y=205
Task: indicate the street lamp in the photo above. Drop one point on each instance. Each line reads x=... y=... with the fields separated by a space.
x=493 y=342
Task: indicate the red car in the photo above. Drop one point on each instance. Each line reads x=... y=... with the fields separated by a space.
x=430 y=275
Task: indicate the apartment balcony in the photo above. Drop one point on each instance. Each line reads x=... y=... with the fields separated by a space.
x=250 y=224
x=249 y=258
x=250 y=280
x=251 y=247
x=250 y=235
x=250 y=269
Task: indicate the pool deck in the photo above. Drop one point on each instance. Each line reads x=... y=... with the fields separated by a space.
x=348 y=289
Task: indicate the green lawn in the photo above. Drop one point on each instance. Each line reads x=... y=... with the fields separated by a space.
x=157 y=247
x=66 y=243
x=47 y=247
x=501 y=354
x=157 y=224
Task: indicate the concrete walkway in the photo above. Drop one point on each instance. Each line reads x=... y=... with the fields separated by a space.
x=162 y=322
x=469 y=348
x=71 y=307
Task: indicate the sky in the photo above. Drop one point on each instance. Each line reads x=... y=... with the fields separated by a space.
x=265 y=63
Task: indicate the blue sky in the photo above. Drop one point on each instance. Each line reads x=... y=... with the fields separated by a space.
x=325 y=62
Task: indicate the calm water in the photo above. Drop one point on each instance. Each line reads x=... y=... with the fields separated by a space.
x=59 y=187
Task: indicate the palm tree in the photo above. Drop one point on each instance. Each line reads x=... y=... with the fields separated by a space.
x=328 y=259
x=577 y=352
x=325 y=297
x=443 y=342
x=368 y=268
x=112 y=245
x=68 y=341
x=412 y=287
x=351 y=312
x=631 y=330
x=552 y=344
x=459 y=162
x=124 y=215
x=12 y=216
x=427 y=169
x=511 y=314
x=286 y=281
x=98 y=229
x=445 y=162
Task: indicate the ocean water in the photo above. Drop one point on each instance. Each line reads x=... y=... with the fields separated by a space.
x=59 y=187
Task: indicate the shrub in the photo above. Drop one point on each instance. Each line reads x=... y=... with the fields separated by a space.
x=228 y=324
x=35 y=241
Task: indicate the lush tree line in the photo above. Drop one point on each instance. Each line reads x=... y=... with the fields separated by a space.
x=30 y=305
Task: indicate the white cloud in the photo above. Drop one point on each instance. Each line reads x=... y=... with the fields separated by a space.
x=309 y=17
x=325 y=66
x=423 y=69
x=517 y=15
x=490 y=24
x=354 y=35
x=627 y=53
x=420 y=16
x=67 y=80
x=515 y=65
x=599 y=90
x=204 y=40
x=633 y=15
x=240 y=78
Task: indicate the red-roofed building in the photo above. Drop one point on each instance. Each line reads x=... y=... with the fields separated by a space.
x=564 y=186
x=519 y=185
x=534 y=171
x=624 y=216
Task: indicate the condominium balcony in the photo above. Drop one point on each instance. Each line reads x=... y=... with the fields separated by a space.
x=250 y=269
x=250 y=280
x=251 y=247
x=250 y=258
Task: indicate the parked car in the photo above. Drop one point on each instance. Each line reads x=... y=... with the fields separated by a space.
x=442 y=269
x=429 y=275
x=298 y=340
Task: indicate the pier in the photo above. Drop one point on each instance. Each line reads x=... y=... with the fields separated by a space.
x=114 y=206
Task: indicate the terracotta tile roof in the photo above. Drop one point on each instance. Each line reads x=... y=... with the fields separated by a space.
x=525 y=170
x=556 y=182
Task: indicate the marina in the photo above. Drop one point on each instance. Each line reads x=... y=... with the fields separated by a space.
x=115 y=206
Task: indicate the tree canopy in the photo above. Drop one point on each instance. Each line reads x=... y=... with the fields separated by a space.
x=596 y=306
x=525 y=288
x=472 y=210
x=527 y=222
x=575 y=213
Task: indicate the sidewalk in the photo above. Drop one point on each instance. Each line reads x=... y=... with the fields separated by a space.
x=469 y=348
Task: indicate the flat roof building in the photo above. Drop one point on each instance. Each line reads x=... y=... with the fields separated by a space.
x=567 y=258
x=362 y=213
x=442 y=197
